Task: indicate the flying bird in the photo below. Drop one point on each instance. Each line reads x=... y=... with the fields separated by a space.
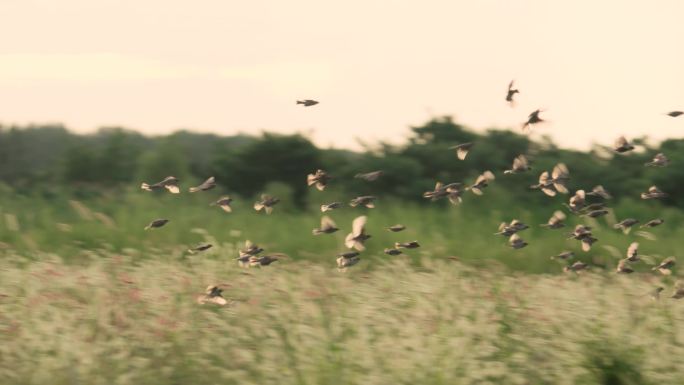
x=250 y=249
x=406 y=245
x=532 y=119
x=327 y=226
x=208 y=184
x=157 y=223
x=392 y=252
x=170 y=183
x=678 y=290
x=266 y=203
x=396 y=228
x=224 y=203
x=356 y=239
x=653 y=193
x=565 y=255
x=576 y=267
x=481 y=182
x=370 y=176
x=622 y=145
x=675 y=114
x=307 y=102
x=520 y=164
x=511 y=92
x=623 y=267
x=516 y=242
x=256 y=261
x=577 y=201
x=599 y=191
x=213 y=294
x=665 y=267
x=200 y=248
x=653 y=223
x=633 y=252
x=330 y=206
x=462 y=149
x=595 y=213
x=659 y=160
x=320 y=179
x=366 y=200
x=556 y=221
x=626 y=224
x=346 y=260
x=508 y=229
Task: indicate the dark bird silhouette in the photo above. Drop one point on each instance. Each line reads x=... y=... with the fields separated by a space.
x=396 y=228
x=224 y=203
x=406 y=245
x=622 y=145
x=511 y=92
x=320 y=179
x=170 y=183
x=392 y=252
x=675 y=114
x=307 y=102
x=200 y=248
x=532 y=119
x=157 y=223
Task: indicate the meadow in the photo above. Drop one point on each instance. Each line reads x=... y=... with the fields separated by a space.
x=88 y=297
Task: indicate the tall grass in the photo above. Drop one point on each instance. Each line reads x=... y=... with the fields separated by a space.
x=122 y=320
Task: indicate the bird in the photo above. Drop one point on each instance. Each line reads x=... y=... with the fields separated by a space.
x=565 y=255
x=327 y=226
x=594 y=206
x=595 y=213
x=510 y=93
x=556 y=221
x=599 y=191
x=346 y=260
x=653 y=193
x=454 y=193
x=199 y=248
x=633 y=252
x=224 y=203
x=583 y=234
x=356 y=239
x=392 y=251
x=675 y=114
x=655 y=294
x=622 y=145
x=406 y=245
x=307 y=102
x=659 y=160
x=320 y=179
x=266 y=203
x=265 y=260
x=170 y=183
x=213 y=294
x=208 y=184
x=366 y=200
x=157 y=223
x=250 y=249
x=520 y=164
x=508 y=229
x=330 y=206
x=576 y=267
x=532 y=119
x=623 y=267
x=348 y=254
x=665 y=267
x=462 y=149
x=626 y=224
x=653 y=223
x=516 y=242
x=481 y=182
x=678 y=290
x=442 y=190
x=369 y=176
x=577 y=201
x=545 y=184
x=559 y=176
x=396 y=228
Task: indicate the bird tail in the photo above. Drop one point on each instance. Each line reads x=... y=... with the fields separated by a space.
x=258 y=206
x=148 y=227
x=300 y=102
x=146 y=187
x=310 y=179
x=268 y=209
x=316 y=232
x=193 y=189
x=324 y=208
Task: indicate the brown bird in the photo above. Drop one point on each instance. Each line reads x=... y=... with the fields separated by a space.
x=170 y=183
x=213 y=294
x=462 y=149
x=392 y=251
x=266 y=203
x=623 y=267
x=600 y=192
x=406 y=245
x=595 y=206
x=559 y=176
x=346 y=260
x=348 y=254
x=199 y=248
x=356 y=239
x=532 y=119
x=508 y=229
x=678 y=290
x=481 y=182
x=577 y=201
x=256 y=261
x=511 y=92
x=206 y=185
x=441 y=190
x=327 y=226
x=320 y=178
x=653 y=223
x=622 y=145
x=366 y=200
x=659 y=160
x=633 y=252
x=307 y=102
x=545 y=184
x=595 y=213
x=250 y=249
x=576 y=267
x=516 y=242
x=665 y=267
x=370 y=176
x=224 y=203
x=653 y=193
x=626 y=224
x=675 y=114
x=157 y=223
x=565 y=255
x=556 y=221
x=655 y=294
x=520 y=164
x=396 y=228
x=331 y=206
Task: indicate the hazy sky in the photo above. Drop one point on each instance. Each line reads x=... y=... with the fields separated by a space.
x=600 y=68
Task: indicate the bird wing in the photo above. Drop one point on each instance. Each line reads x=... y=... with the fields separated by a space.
x=633 y=249
x=358 y=225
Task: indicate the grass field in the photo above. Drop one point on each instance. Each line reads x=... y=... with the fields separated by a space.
x=88 y=297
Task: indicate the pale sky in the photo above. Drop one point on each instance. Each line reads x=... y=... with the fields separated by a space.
x=600 y=68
